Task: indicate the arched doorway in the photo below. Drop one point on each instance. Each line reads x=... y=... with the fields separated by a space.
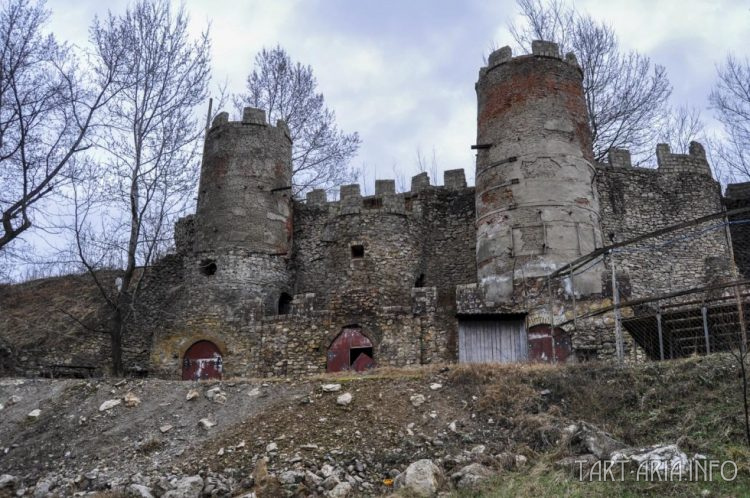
x=543 y=348
x=351 y=350
x=202 y=361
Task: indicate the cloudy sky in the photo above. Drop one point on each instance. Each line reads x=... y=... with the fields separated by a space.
x=402 y=73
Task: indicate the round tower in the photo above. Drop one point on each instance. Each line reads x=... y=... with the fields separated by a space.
x=244 y=200
x=536 y=201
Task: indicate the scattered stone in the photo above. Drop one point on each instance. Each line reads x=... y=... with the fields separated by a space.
x=471 y=475
x=590 y=439
x=8 y=481
x=192 y=394
x=478 y=449
x=344 y=399
x=109 y=404
x=417 y=400
x=326 y=470
x=254 y=392
x=131 y=400
x=271 y=447
x=13 y=400
x=216 y=395
x=421 y=478
x=342 y=490
x=291 y=477
x=165 y=428
x=221 y=451
x=206 y=423
x=34 y=414
x=187 y=487
x=435 y=386
x=331 y=388
x=521 y=461
x=139 y=491
x=330 y=482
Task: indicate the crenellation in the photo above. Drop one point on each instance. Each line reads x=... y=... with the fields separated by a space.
x=454 y=179
x=694 y=162
x=274 y=281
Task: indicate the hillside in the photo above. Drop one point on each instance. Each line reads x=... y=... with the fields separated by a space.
x=515 y=421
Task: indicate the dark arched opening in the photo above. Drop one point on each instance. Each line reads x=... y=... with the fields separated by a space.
x=420 y=281
x=351 y=350
x=285 y=304
x=202 y=361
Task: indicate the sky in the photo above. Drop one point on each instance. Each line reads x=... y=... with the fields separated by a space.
x=402 y=73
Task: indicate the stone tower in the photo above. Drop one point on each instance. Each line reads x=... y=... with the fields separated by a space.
x=536 y=203
x=243 y=222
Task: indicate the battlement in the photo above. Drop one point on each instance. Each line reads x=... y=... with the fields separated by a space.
x=250 y=117
x=694 y=161
x=351 y=199
x=539 y=48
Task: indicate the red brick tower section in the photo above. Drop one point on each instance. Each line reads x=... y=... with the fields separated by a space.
x=537 y=207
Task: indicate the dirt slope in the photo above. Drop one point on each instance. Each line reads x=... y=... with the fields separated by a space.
x=485 y=414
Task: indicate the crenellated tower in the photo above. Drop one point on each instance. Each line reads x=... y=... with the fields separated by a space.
x=536 y=202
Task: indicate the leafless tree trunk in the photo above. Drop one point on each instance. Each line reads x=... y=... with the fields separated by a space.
x=149 y=148
x=627 y=97
x=47 y=109
x=288 y=90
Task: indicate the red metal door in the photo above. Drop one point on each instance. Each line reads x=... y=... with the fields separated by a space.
x=202 y=360
x=351 y=350
x=541 y=344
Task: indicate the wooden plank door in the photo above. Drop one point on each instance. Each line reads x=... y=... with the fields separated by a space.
x=492 y=341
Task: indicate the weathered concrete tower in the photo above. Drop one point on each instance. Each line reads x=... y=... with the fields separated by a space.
x=536 y=203
x=243 y=222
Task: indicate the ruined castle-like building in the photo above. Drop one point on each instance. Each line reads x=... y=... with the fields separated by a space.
x=263 y=284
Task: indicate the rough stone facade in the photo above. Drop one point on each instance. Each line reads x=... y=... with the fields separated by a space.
x=273 y=281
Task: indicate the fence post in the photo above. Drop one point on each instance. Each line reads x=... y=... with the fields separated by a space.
x=735 y=275
x=659 y=330
x=704 y=312
x=616 y=301
x=551 y=320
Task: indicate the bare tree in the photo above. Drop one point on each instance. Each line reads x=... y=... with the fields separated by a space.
x=626 y=96
x=683 y=125
x=149 y=148
x=47 y=109
x=288 y=90
x=730 y=99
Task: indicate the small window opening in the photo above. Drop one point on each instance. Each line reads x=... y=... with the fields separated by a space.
x=208 y=267
x=373 y=203
x=358 y=251
x=285 y=304
x=420 y=281
x=355 y=352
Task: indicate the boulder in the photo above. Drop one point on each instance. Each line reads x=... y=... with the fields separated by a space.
x=192 y=394
x=131 y=400
x=421 y=478
x=585 y=438
x=138 y=491
x=331 y=388
x=342 y=490
x=471 y=475
x=34 y=414
x=8 y=481
x=187 y=487
x=417 y=400
x=663 y=460
x=206 y=423
x=344 y=399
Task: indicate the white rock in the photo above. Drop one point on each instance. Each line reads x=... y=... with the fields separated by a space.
x=452 y=426
x=139 y=491
x=187 y=487
x=13 y=400
x=109 y=404
x=661 y=459
x=478 y=449
x=220 y=398
x=521 y=461
x=34 y=414
x=213 y=392
x=220 y=452
x=326 y=470
x=192 y=394
x=206 y=423
x=421 y=478
x=253 y=392
x=8 y=481
x=344 y=399
x=471 y=475
x=331 y=388
x=131 y=400
x=271 y=447
x=417 y=400
x=342 y=490
x=165 y=428
x=435 y=386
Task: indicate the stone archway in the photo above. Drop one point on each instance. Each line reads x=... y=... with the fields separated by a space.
x=202 y=361
x=350 y=350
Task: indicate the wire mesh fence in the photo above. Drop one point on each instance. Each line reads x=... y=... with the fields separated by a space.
x=665 y=294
